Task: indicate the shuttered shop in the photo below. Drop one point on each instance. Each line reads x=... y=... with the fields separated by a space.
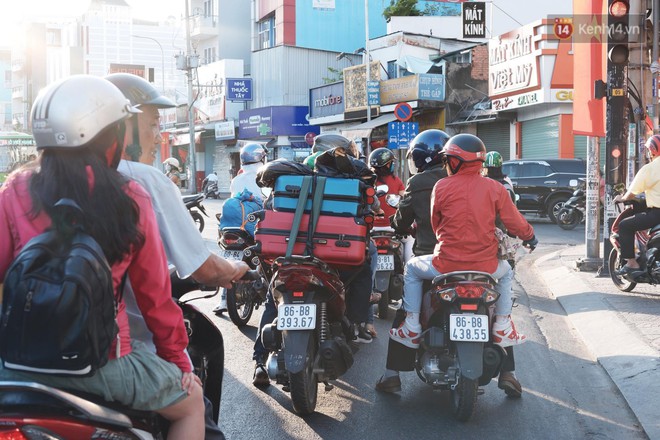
x=496 y=137
x=580 y=151
x=540 y=138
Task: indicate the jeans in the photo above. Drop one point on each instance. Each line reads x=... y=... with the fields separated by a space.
x=420 y=268
x=267 y=316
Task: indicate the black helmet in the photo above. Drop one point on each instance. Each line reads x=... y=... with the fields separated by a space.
x=466 y=148
x=381 y=157
x=426 y=150
x=328 y=141
x=139 y=91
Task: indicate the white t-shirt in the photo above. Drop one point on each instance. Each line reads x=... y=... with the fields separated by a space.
x=248 y=179
x=184 y=245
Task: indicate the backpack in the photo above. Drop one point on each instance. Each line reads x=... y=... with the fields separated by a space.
x=236 y=209
x=59 y=308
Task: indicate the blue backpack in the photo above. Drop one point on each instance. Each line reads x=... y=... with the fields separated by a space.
x=236 y=209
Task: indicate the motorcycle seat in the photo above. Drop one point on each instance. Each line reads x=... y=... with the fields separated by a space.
x=192 y=198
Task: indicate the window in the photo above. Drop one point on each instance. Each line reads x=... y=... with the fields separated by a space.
x=266 y=31
x=208 y=8
x=7 y=114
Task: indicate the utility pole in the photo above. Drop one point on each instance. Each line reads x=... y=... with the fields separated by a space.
x=616 y=140
x=191 y=64
x=367 y=61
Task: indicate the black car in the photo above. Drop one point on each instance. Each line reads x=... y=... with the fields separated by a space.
x=544 y=185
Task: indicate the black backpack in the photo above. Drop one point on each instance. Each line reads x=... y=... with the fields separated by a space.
x=59 y=307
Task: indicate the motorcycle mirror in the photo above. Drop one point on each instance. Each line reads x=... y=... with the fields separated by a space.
x=393 y=199
x=381 y=190
x=619 y=188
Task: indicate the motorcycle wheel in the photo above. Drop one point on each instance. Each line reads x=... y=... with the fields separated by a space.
x=567 y=219
x=464 y=398
x=240 y=303
x=198 y=219
x=614 y=264
x=304 y=387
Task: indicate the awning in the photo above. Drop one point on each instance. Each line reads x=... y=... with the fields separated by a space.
x=364 y=130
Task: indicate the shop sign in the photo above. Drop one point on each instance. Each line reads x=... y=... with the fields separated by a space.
x=562 y=96
x=431 y=87
x=134 y=69
x=327 y=100
x=224 y=130
x=516 y=101
x=239 y=89
x=398 y=90
x=275 y=121
x=474 y=20
x=513 y=63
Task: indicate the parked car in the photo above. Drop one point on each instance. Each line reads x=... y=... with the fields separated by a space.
x=544 y=185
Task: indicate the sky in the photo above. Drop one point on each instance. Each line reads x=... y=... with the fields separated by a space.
x=14 y=11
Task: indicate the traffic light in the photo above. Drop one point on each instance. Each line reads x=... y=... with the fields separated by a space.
x=617 y=31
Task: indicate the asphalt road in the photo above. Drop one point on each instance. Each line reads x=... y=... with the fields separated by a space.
x=567 y=395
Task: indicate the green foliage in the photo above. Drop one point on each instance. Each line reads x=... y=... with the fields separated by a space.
x=403 y=8
x=335 y=75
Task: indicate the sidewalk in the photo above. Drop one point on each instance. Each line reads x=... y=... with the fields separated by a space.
x=622 y=329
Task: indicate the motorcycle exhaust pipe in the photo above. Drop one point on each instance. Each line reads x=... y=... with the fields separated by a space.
x=271 y=337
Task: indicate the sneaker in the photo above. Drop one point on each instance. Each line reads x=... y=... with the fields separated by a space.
x=406 y=335
x=509 y=383
x=260 y=378
x=371 y=330
x=505 y=334
x=362 y=336
x=389 y=385
x=221 y=308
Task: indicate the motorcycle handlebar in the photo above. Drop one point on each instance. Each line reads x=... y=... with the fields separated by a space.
x=251 y=275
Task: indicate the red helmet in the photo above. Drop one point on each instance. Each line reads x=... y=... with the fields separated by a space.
x=653 y=145
x=466 y=148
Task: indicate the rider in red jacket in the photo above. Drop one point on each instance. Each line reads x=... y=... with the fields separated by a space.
x=463 y=210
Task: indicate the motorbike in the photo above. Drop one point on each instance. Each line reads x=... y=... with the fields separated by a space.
x=308 y=339
x=30 y=410
x=242 y=298
x=390 y=262
x=456 y=353
x=194 y=204
x=647 y=251
x=210 y=189
x=574 y=210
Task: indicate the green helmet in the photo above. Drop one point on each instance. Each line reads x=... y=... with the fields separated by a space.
x=493 y=160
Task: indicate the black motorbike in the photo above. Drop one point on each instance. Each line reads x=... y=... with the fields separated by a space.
x=210 y=189
x=30 y=410
x=573 y=212
x=194 y=205
x=242 y=298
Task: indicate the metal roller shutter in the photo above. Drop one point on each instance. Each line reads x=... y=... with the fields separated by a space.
x=540 y=138
x=496 y=137
x=581 y=148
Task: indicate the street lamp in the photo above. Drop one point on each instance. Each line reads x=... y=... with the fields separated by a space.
x=162 y=58
x=342 y=56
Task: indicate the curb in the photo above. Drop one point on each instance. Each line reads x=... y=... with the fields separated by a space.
x=631 y=363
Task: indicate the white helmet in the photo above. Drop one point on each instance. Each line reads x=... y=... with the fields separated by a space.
x=73 y=111
x=171 y=162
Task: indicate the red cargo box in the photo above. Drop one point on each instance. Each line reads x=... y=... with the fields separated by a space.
x=337 y=241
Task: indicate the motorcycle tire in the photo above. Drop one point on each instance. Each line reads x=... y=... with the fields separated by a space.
x=568 y=220
x=464 y=398
x=614 y=264
x=198 y=219
x=240 y=303
x=384 y=305
x=554 y=206
x=304 y=385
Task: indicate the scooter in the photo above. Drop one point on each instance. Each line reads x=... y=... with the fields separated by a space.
x=647 y=251
x=210 y=189
x=574 y=210
x=194 y=204
x=456 y=353
x=30 y=410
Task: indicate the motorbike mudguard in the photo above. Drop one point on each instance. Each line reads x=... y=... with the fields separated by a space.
x=382 y=280
x=470 y=359
x=295 y=344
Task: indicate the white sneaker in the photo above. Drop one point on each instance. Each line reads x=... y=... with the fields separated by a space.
x=505 y=334
x=221 y=308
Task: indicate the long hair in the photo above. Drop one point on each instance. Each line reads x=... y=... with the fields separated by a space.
x=110 y=215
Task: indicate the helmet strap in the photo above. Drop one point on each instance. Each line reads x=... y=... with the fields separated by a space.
x=134 y=150
x=454 y=164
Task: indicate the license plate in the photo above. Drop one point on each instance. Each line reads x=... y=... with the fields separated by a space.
x=232 y=255
x=470 y=328
x=385 y=262
x=296 y=317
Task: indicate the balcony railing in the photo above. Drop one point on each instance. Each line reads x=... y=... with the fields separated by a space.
x=204 y=26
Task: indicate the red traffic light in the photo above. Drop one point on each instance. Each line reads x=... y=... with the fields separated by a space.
x=619 y=8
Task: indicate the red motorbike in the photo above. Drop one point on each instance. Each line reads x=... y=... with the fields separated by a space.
x=647 y=246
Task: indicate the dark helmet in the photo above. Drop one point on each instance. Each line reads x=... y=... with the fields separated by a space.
x=426 y=150
x=253 y=153
x=381 y=157
x=466 y=148
x=139 y=91
x=653 y=145
x=328 y=141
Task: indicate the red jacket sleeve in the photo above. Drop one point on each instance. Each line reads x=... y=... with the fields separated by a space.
x=515 y=222
x=150 y=279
